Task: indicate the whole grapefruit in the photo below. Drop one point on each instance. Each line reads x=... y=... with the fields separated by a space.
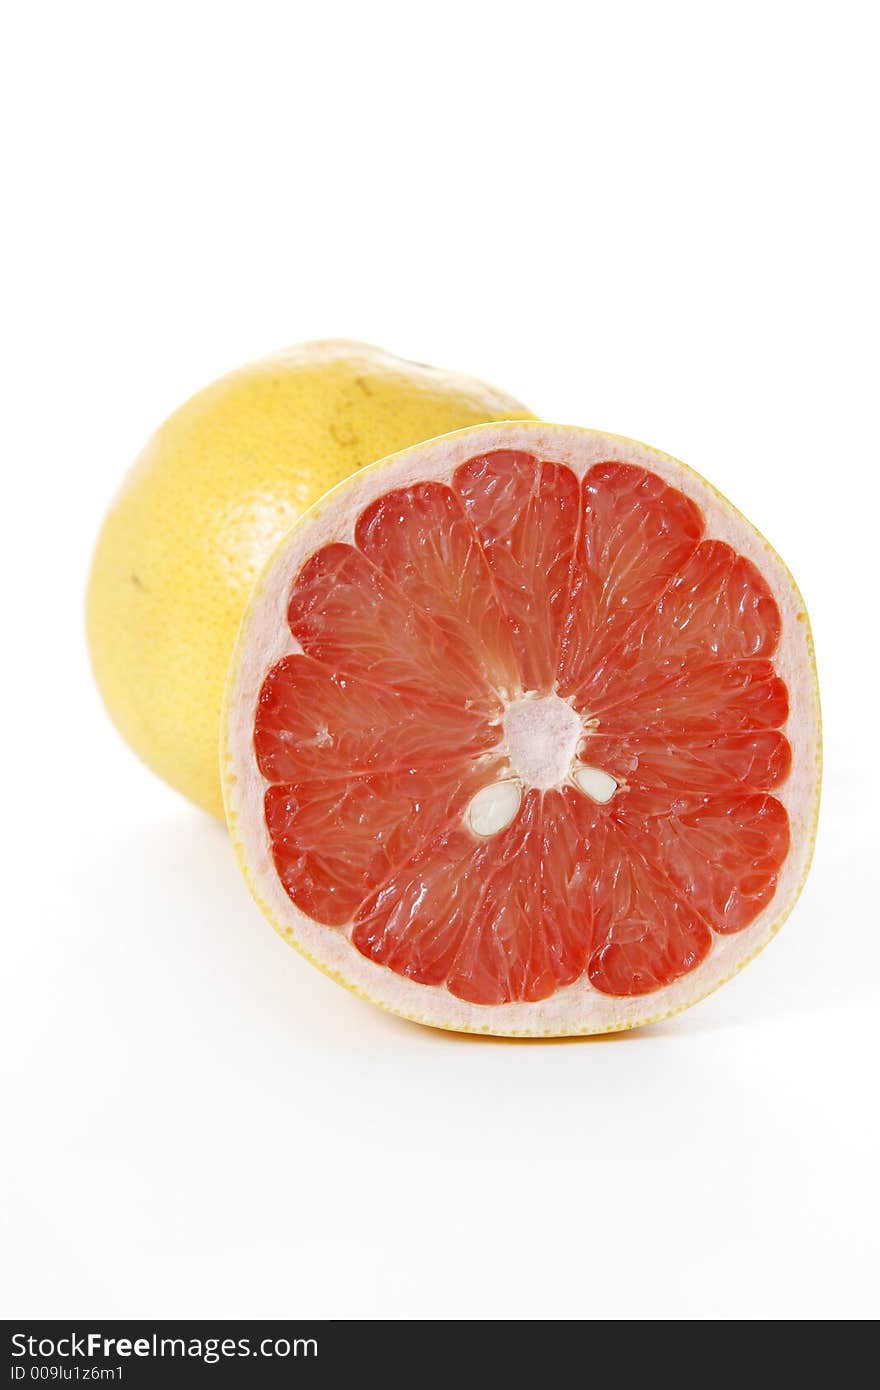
x=205 y=504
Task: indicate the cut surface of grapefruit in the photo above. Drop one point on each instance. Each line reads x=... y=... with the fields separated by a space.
x=522 y=734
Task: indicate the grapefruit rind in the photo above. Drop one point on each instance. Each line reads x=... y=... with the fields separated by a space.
x=264 y=638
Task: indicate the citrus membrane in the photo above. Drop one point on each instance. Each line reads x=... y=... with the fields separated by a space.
x=522 y=734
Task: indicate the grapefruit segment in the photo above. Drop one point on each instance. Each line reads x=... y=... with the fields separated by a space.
x=643 y=935
x=313 y=722
x=416 y=921
x=694 y=764
x=480 y=917
x=716 y=609
x=547 y=760
x=504 y=952
x=420 y=537
x=349 y=615
x=650 y=936
x=723 y=853
x=336 y=841
x=569 y=824
x=525 y=513
x=718 y=602
x=720 y=697
x=635 y=534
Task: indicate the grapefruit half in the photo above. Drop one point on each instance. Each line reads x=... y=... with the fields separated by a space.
x=521 y=734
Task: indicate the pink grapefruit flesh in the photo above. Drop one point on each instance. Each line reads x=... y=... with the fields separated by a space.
x=522 y=734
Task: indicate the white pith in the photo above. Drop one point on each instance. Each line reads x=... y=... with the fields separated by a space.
x=265 y=637
x=541 y=735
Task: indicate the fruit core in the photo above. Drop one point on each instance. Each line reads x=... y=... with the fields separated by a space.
x=542 y=735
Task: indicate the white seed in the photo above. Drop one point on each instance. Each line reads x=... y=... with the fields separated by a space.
x=494 y=807
x=599 y=786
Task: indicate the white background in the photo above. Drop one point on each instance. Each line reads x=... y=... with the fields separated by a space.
x=656 y=219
